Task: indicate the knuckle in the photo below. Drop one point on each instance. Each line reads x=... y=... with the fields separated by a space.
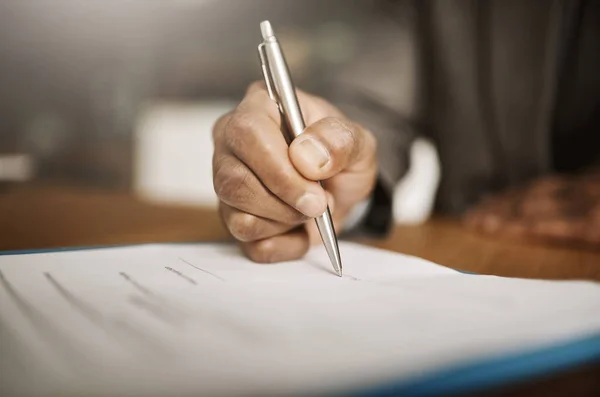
x=352 y=141
x=264 y=251
x=217 y=161
x=240 y=124
x=256 y=85
x=289 y=216
x=370 y=145
x=369 y=140
x=282 y=183
x=338 y=137
x=244 y=227
x=294 y=217
x=241 y=130
x=231 y=181
x=219 y=126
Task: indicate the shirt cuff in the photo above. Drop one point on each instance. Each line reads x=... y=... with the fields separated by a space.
x=372 y=217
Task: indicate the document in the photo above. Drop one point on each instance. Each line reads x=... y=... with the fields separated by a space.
x=200 y=319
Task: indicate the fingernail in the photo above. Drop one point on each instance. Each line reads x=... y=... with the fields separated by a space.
x=312 y=152
x=310 y=205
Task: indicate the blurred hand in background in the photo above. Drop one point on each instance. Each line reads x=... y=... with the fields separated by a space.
x=556 y=209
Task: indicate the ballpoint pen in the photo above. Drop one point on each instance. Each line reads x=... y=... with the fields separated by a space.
x=281 y=90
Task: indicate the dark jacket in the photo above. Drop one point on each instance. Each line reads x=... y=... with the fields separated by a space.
x=507 y=90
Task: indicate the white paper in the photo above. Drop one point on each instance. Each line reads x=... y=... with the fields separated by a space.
x=202 y=320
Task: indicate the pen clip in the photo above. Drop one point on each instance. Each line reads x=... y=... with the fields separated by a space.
x=264 y=64
x=266 y=70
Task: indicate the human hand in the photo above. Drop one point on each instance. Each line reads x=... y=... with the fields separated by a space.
x=556 y=209
x=268 y=192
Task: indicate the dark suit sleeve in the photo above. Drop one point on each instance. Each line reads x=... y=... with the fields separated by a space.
x=378 y=89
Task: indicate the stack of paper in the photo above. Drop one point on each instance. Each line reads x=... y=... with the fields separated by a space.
x=200 y=319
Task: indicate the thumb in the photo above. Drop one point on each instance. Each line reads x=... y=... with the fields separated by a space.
x=330 y=146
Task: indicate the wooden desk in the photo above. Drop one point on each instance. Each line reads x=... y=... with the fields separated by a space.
x=44 y=218
x=446 y=242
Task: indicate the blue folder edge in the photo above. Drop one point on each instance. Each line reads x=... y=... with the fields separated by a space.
x=502 y=370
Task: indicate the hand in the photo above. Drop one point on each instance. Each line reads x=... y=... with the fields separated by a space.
x=557 y=209
x=268 y=192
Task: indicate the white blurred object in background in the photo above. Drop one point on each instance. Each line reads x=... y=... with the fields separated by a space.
x=173 y=152
x=16 y=167
x=414 y=196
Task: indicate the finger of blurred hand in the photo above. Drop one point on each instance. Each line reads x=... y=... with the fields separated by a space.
x=332 y=145
x=592 y=232
x=491 y=214
x=284 y=247
x=247 y=227
x=253 y=135
x=559 y=229
x=237 y=186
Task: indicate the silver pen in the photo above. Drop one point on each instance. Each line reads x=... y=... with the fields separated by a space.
x=281 y=90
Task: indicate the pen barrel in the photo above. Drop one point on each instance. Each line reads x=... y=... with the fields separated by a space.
x=283 y=88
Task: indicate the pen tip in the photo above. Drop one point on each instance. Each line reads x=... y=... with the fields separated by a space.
x=266 y=30
x=337 y=266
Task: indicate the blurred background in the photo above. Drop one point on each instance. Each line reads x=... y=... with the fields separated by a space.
x=122 y=95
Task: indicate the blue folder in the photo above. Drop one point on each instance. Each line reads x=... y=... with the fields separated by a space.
x=470 y=377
